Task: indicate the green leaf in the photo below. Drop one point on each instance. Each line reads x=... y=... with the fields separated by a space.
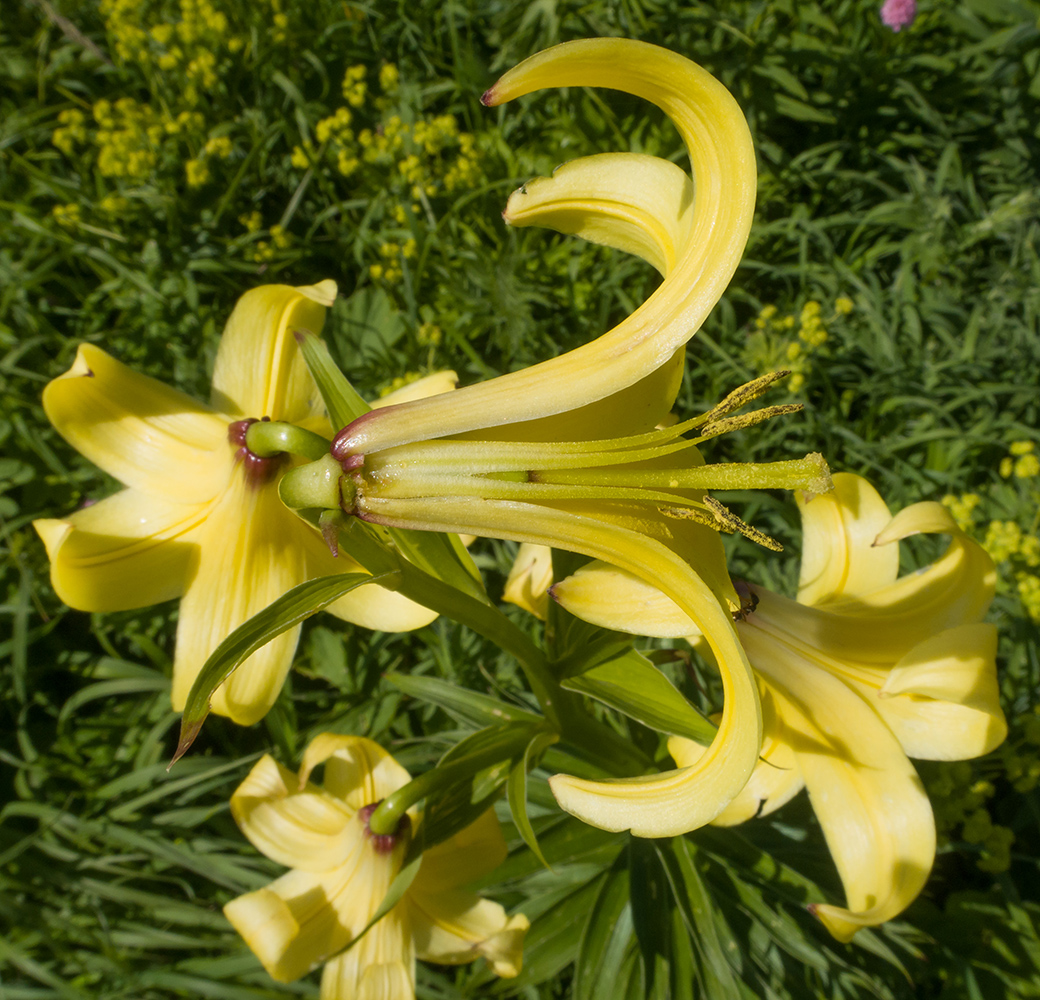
x=552 y=942
x=461 y=703
x=632 y=685
x=650 y=913
x=288 y=611
x=607 y=940
x=516 y=791
x=340 y=398
x=477 y=760
x=695 y=904
x=370 y=322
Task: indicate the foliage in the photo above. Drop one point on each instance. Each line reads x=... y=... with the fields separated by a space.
x=159 y=157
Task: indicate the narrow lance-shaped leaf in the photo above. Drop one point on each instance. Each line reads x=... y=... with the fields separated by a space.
x=633 y=686
x=461 y=703
x=516 y=791
x=288 y=611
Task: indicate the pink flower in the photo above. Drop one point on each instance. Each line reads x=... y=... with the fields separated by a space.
x=898 y=14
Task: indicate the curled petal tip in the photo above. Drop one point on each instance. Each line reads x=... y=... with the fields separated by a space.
x=488 y=98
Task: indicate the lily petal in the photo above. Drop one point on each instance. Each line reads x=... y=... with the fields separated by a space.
x=358 y=771
x=776 y=779
x=723 y=162
x=481 y=844
x=871 y=805
x=942 y=699
x=421 y=388
x=259 y=371
x=661 y=805
x=632 y=202
x=248 y=538
x=381 y=966
x=612 y=598
x=304 y=918
x=370 y=606
x=527 y=585
x=149 y=436
x=455 y=927
x=126 y=551
x=839 y=557
x=885 y=624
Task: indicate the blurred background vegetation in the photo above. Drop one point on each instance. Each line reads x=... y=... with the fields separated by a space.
x=159 y=157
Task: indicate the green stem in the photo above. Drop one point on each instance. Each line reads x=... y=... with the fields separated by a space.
x=385 y=818
x=268 y=438
x=484 y=619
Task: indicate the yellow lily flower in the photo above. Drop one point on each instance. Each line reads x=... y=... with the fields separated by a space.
x=341 y=873
x=864 y=669
x=200 y=518
x=565 y=453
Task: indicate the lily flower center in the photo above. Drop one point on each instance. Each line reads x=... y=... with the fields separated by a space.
x=259 y=469
x=383 y=843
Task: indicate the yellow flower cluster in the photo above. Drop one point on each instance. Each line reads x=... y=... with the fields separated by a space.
x=414 y=157
x=400 y=382
x=128 y=138
x=962 y=508
x=72 y=130
x=264 y=250
x=391 y=270
x=66 y=215
x=959 y=801
x=190 y=48
x=771 y=347
x=1022 y=463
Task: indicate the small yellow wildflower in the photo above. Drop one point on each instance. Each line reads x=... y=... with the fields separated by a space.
x=843 y=305
x=354 y=86
x=196 y=172
x=1002 y=540
x=1022 y=447
x=429 y=334
x=300 y=159
x=66 y=215
x=1029 y=594
x=389 y=78
x=1027 y=466
x=113 y=204
x=280 y=238
x=253 y=222
x=1006 y=467
x=220 y=146
x=962 y=508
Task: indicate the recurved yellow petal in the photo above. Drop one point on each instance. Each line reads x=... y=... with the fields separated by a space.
x=632 y=202
x=299 y=827
x=723 y=167
x=358 y=771
x=126 y=551
x=530 y=578
x=662 y=805
x=839 y=557
x=870 y=803
x=775 y=780
x=942 y=699
x=259 y=371
x=147 y=435
x=613 y=598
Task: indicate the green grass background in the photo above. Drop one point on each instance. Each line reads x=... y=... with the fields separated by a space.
x=898 y=171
